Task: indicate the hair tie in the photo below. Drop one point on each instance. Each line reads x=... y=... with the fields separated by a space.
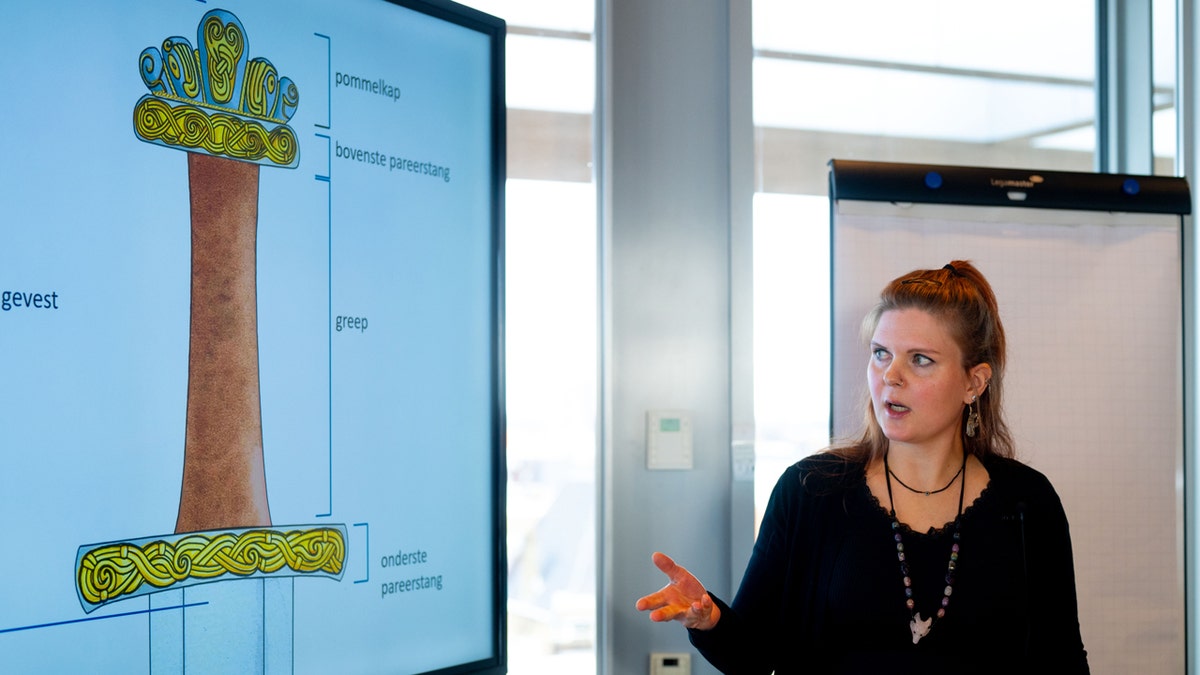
x=952 y=268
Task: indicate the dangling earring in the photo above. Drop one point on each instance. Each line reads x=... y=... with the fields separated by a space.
x=972 y=417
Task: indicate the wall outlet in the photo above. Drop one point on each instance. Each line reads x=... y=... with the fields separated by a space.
x=670 y=664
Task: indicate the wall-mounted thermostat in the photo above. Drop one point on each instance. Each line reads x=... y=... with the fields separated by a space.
x=668 y=439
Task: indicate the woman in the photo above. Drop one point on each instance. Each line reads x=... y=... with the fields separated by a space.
x=921 y=547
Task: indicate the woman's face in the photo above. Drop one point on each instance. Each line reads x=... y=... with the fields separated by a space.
x=917 y=380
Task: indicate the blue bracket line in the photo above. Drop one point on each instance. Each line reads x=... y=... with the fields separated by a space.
x=329 y=221
x=328 y=81
x=328 y=159
x=98 y=618
x=367 y=534
x=329 y=306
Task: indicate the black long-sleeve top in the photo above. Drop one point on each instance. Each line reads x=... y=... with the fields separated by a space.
x=823 y=592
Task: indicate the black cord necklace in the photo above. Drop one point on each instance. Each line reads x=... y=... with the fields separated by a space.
x=920 y=627
x=927 y=492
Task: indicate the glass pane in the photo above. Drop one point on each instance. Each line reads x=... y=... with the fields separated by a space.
x=791 y=333
x=563 y=15
x=1031 y=37
x=1164 y=133
x=551 y=400
x=877 y=101
x=549 y=74
x=934 y=81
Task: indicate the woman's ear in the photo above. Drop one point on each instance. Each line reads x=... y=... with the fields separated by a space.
x=978 y=378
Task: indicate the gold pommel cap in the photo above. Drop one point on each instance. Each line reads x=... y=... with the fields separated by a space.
x=215 y=99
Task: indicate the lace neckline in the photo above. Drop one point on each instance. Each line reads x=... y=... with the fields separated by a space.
x=934 y=532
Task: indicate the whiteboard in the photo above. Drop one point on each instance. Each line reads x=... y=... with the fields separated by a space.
x=1092 y=306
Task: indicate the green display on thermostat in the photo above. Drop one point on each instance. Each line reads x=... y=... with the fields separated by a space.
x=668 y=424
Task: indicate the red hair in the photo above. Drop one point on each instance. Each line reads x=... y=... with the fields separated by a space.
x=961 y=298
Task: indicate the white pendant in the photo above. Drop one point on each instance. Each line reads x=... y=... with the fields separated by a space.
x=919 y=627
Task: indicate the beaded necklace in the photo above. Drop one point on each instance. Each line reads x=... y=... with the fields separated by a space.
x=920 y=627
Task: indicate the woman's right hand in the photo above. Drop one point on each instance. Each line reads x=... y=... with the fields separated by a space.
x=683 y=599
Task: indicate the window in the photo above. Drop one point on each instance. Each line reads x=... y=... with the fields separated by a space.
x=551 y=334
x=1163 y=134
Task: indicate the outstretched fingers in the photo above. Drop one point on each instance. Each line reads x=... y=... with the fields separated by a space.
x=683 y=599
